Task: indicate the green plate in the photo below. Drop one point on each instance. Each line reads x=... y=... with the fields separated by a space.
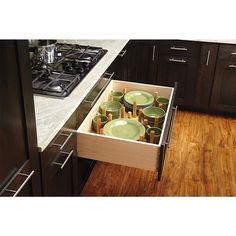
x=142 y=98
x=124 y=128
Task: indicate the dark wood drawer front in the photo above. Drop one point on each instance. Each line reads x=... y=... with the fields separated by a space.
x=227 y=52
x=180 y=48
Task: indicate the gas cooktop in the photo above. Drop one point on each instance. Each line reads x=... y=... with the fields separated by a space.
x=72 y=64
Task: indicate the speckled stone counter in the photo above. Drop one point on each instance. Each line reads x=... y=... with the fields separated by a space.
x=52 y=113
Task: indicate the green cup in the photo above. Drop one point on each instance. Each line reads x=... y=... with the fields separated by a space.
x=157 y=134
x=117 y=96
x=112 y=107
x=103 y=118
x=162 y=102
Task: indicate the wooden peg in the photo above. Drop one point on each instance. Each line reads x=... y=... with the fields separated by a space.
x=141 y=138
x=152 y=136
x=156 y=121
x=145 y=123
x=134 y=109
x=110 y=117
x=129 y=114
x=98 y=123
x=104 y=112
x=124 y=91
x=140 y=114
x=122 y=112
x=160 y=105
x=155 y=98
x=101 y=131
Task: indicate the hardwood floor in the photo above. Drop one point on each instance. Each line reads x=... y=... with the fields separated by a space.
x=200 y=162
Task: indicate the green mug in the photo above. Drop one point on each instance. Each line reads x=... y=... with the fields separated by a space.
x=117 y=96
x=162 y=102
x=157 y=134
x=103 y=118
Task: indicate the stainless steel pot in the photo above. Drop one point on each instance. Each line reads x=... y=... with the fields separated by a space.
x=47 y=51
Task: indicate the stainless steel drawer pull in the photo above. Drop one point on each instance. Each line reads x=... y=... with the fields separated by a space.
x=66 y=160
x=232 y=66
x=153 y=52
x=178 y=48
x=208 y=57
x=101 y=91
x=172 y=126
x=233 y=53
x=63 y=145
x=177 y=60
x=16 y=192
x=122 y=53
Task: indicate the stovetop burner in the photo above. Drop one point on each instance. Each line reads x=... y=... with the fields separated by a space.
x=72 y=64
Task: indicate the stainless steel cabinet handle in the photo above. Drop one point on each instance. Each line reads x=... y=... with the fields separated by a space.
x=178 y=48
x=66 y=160
x=232 y=66
x=16 y=192
x=63 y=145
x=177 y=60
x=208 y=57
x=101 y=91
x=153 y=52
x=172 y=126
x=233 y=53
x=122 y=53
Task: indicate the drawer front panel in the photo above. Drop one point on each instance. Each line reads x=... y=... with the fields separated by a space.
x=122 y=152
x=180 y=48
x=227 y=52
x=115 y=150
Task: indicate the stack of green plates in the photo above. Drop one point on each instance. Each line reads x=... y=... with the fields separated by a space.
x=142 y=99
x=112 y=107
x=151 y=112
x=124 y=128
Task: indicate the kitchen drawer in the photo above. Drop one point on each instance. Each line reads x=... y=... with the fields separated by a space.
x=179 y=48
x=121 y=151
x=227 y=52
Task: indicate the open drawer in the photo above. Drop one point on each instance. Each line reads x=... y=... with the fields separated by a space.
x=122 y=151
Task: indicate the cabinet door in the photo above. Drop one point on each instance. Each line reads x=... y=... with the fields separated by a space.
x=13 y=143
x=182 y=70
x=121 y=64
x=57 y=169
x=205 y=76
x=143 y=61
x=224 y=87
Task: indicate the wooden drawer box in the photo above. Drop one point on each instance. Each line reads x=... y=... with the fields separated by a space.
x=227 y=52
x=121 y=151
x=180 y=48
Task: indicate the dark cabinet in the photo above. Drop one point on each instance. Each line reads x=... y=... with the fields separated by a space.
x=224 y=87
x=57 y=166
x=120 y=65
x=143 y=61
x=18 y=144
x=182 y=70
x=205 y=77
x=178 y=62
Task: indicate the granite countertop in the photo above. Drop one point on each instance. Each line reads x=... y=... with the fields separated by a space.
x=52 y=113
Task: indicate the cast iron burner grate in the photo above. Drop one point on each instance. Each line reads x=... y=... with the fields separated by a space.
x=72 y=64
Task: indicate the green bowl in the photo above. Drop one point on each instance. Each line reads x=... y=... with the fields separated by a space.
x=117 y=96
x=150 y=113
x=160 y=124
x=112 y=107
x=162 y=102
x=156 y=136
x=103 y=118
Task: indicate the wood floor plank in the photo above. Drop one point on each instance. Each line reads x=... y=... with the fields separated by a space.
x=200 y=162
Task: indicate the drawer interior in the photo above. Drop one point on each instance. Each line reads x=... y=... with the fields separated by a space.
x=117 y=150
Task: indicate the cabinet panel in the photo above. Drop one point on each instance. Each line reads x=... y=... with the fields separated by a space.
x=182 y=70
x=143 y=67
x=224 y=87
x=205 y=77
